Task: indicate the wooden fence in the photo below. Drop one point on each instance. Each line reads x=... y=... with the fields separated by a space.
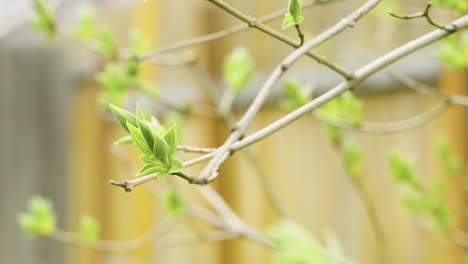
x=303 y=169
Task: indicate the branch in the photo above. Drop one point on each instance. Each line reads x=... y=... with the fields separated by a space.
x=391 y=127
x=128 y=185
x=73 y=239
x=425 y=14
x=210 y=173
x=424 y=89
x=229 y=119
x=361 y=74
x=195 y=150
x=250 y=22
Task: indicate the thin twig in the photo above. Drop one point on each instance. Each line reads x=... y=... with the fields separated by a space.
x=195 y=150
x=300 y=34
x=427 y=16
x=210 y=172
x=229 y=119
x=189 y=239
x=424 y=89
x=361 y=74
x=249 y=22
x=390 y=127
x=73 y=239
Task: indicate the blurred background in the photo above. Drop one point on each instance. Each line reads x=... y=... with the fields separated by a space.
x=57 y=139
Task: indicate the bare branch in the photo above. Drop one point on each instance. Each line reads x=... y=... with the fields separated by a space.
x=195 y=150
x=210 y=173
x=73 y=239
x=425 y=14
x=361 y=74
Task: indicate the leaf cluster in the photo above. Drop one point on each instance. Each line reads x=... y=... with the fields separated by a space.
x=294 y=15
x=432 y=203
x=295 y=95
x=298 y=246
x=454 y=51
x=157 y=144
x=39 y=220
x=345 y=109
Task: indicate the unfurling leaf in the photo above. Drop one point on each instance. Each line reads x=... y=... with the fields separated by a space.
x=127 y=140
x=238 y=69
x=352 y=160
x=107 y=44
x=89 y=229
x=297 y=246
x=295 y=95
x=171 y=138
x=158 y=144
x=294 y=16
x=40 y=218
x=173 y=204
x=138 y=44
x=402 y=171
x=138 y=138
x=123 y=116
x=44 y=20
x=87 y=27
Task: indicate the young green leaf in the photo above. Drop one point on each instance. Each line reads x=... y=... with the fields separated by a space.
x=294 y=16
x=171 y=138
x=352 y=160
x=238 y=69
x=107 y=44
x=298 y=246
x=295 y=95
x=123 y=116
x=147 y=132
x=148 y=169
x=44 y=21
x=127 y=140
x=40 y=219
x=402 y=171
x=173 y=204
x=160 y=148
x=176 y=166
x=138 y=44
x=87 y=27
x=139 y=139
x=89 y=229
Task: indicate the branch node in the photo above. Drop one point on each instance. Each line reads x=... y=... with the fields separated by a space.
x=125 y=185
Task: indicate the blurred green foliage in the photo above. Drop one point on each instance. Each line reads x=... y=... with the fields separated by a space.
x=39 y=220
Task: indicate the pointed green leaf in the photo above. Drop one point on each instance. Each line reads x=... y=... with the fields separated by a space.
x=127 y=140
x=171 y=138
x=176 y=166
x=147 y=132
x=148 y=169
x=123 y=116
x=139 y=112
x=352 y=160
x=87 y=26
x=293 y=17
x=160 y=148
x=44 y=20
x=138 y=138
